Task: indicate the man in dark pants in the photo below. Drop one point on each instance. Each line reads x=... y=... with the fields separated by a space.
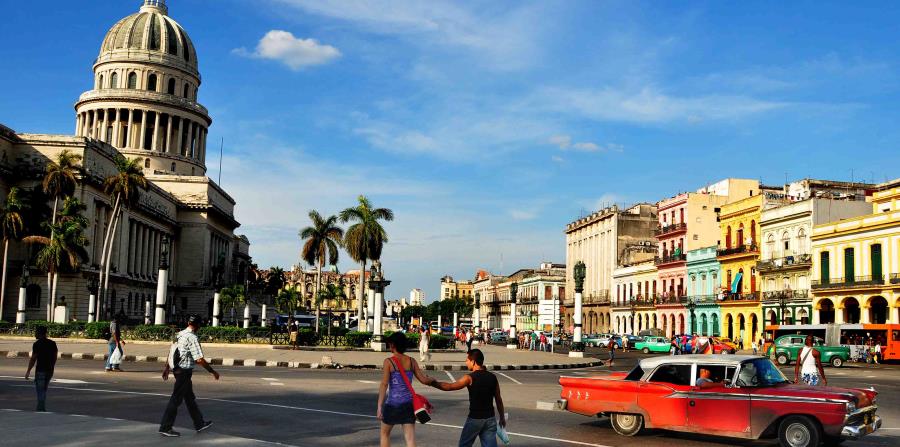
x=184 y=353
x=43 y=354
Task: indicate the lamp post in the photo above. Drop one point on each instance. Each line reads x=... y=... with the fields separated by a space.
x=513 y=290
x=162 y=285
x=92 y=285
x=632 y=302
x=23 y=283
x=579 y=273
x=782 y=301
x=691 y=305
x=377 y=285
x=477 y=322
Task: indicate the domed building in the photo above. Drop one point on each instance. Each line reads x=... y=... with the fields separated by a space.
x=143 y=104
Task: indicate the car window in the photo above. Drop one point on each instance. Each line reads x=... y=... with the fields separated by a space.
x=717 y=373
x=819 y=342
x=784 y=341
x=635 y=373
x=673 y=374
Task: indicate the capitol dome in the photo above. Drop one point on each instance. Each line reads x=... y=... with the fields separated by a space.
x=151 y=33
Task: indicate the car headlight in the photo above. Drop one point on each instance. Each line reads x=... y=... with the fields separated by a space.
x=851 y=407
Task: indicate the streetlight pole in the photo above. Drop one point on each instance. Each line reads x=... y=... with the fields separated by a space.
x=513 y=291
x=477 y=312
x=691 y=305
x=163 y=283
x=377 y=285
x=633 y=312
x=92 y=286
x=579 y=273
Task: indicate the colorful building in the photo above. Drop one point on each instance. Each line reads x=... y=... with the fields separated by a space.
x=633 y=304
x=704 y=316
x=855 y=264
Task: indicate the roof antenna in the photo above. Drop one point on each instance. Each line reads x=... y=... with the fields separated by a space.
x=221 y=147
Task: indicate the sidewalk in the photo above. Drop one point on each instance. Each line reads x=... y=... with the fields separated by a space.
x=496 y=357
x=30 y=428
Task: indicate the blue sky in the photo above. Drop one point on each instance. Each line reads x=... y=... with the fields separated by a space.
x=487 y=126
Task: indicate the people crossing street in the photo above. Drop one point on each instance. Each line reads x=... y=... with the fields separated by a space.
x=184 y=353
x=43 y=361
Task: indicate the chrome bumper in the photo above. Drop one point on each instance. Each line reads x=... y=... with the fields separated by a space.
x=858 y=431
x=562 y=403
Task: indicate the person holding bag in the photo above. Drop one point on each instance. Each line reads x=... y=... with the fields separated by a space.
x=397 y=401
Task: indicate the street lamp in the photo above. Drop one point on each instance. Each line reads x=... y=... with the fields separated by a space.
x=513 y=291
x=477 y=322
x=691 y=305
x=579 y=272
x=92 y=286
x=632 y=302
x=782 y=301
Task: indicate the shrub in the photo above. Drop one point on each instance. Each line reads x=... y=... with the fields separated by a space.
x=356 y=339
x=153 y=332
x=222 y=334
x=95 y=330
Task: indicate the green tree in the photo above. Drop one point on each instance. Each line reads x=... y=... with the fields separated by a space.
x=330 y=293
x=64 y=250
x=60 y=180
x=364 y=241
x=288 y=301
x=234 y=297
x=322 y=238
x=275 y=280
x=12 y=224
x=124 y=188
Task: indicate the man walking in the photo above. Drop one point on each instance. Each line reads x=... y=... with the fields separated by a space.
x=484 y=389
x=115 y=342
x=43 y=355
x=809 y=366
x=184 y=353
x=470 y=336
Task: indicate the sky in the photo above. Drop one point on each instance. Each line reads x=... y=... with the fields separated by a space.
x=487 y=126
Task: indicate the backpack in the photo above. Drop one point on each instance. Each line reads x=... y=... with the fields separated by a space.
x=174 y=356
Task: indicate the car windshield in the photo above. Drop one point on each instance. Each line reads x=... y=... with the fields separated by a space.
x=758 y=373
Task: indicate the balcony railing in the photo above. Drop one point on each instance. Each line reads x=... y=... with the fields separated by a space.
x=670 y=258
x=841 y=283
x=748 y=296
x=895 y=278
x=736 y=250
x=786 y=294
x=671 y=229
x=803 y=260
x=702 y=299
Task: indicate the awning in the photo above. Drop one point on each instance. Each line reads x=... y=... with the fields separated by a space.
x=736 y=282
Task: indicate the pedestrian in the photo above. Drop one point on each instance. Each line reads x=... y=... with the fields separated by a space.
x=755 y=349
x=543 y=342
x=183 y=354
x=395 y=396
x=424 y=339
x=611 y=345
x=877 y=350
x=470 y=337
x=115 y=342
x=43 y=360
x=673 y=346
x=809 y=366
x=294 y=331
x=484 y=391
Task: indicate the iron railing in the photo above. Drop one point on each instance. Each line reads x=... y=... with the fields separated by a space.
x=785 y=262
x=746 y=296
x=785 y=294
x=737 y=250
x=895 y=278
x=671 y=229
x=848 y=282
x=670 y=258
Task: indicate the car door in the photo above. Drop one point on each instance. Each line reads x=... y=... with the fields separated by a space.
x=663 y=396
x=721 y=409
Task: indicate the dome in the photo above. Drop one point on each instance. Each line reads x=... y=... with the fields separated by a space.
x=153 y=32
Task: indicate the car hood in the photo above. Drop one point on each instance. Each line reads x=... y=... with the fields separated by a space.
x=863 y=398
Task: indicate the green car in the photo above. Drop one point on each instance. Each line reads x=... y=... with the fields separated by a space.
x=787 y=347
x=653 y=344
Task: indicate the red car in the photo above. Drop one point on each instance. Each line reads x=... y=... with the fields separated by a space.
x=745 y=397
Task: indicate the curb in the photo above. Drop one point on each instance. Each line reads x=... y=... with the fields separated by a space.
x=282 y=364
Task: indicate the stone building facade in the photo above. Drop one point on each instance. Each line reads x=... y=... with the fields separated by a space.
x=143 y=103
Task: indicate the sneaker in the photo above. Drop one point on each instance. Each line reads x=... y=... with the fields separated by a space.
x=205 y=425
x=170 y=433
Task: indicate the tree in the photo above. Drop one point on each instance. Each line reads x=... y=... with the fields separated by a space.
x=274 y=280
x=234 y=297
x=12 y=225
x=60 y=181
x=288 y=301
x=409 y=312
x=364 y=241
x=331 y=292
x=125 y=186
x=322 y=238
x=64 y=250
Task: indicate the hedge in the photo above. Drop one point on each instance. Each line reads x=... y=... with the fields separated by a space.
x=436 y=341
x=95 y=330
x=151 y=332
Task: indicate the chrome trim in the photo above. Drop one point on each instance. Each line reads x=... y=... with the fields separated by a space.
x=561 y=404
x=859 y=411
x=858 y=431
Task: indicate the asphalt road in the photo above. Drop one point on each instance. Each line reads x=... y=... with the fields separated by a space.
x=337 y=407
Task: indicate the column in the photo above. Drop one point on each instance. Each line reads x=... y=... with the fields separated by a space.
x=177 y=146
x=104 y=125
x=117 y=125
x=262 y=317
x=577 y=332
x=129 y=137
x=145 y=251
x=140 y=139
x=92 y=306
x=161 y=288
x=140 y=250
x=77 y=124
x=216 y=310
x=155 y=145
x=168 y=149
x=187 y=140
x=246 y=315
x=20 y=311
x=129 y=266
x=202 y=156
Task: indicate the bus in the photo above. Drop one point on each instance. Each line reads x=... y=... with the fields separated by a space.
x=853 y=335
x=303 y=320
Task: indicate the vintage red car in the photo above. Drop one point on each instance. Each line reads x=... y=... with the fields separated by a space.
x=748 y=398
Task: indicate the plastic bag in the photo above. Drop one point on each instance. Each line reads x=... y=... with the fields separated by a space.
x=116 y=357
x=501 y=431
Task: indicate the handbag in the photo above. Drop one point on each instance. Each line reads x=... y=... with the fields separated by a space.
x=116 y=357
x=421 y=407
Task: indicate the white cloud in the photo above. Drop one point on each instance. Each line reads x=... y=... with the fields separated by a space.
x=523 y=214
x=564 y=142
x=586 y=147
x=295 y=53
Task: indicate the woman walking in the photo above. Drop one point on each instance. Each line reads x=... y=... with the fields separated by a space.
x=395 y=401
x=424 y=339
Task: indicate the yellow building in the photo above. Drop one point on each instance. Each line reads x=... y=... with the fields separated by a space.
x=737 y=255
x=855 y=264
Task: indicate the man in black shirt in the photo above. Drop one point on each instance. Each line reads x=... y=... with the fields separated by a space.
x=43 y=354
x=483 y=389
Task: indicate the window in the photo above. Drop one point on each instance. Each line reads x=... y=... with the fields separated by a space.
x=151 y=83
x=717 y=372
x=876 y=261
x=673 y=374
x=173 y=166
x=132 y=80
x=186 y=86
x=33 y=296
x=171 y=89
x=637 y=373
x=146 y=162
x=824 y=267
x=849 y=268
x=114 y=80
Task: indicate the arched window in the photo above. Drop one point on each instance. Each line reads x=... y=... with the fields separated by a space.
x=770 y=246
x=786 y=244
x=132 y=80
x=146 y=162
x=100 y=82
x=728 y=237
x=151 y=83
x=173 y=166
x=740 y=235
x=800 y=246
x=33 y=296
x=186 y=89
x=171 y=89
x=114 y=80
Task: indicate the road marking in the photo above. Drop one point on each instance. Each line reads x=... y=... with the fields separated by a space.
x=276 y=384
x=316 y=410
x=546 y=406
x=450 y=376
x=9 y=409
x=270 y=379
x=70 y=381
x=367 y=381
x=510 y=378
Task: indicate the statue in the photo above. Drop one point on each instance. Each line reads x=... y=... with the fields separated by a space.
x=579 y=272
x=377 y=273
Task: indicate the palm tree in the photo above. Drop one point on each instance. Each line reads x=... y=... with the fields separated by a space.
x=59 y=182
x=11 y=224
x=288 y=301
x=364 y=241
x=274 y=280
x=125 y=186
x=64 y=250
x=322 y=239
x=330 y=293
x=234 y=297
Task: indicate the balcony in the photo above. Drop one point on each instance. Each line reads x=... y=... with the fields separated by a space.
x=895 y=278
x=787 y=295
x=848 y=283
x=702 y=299
x=748 y=296
x=785 y=263
x=669 y=229
x=601 y=298
x=669 y=259
x=740 y=249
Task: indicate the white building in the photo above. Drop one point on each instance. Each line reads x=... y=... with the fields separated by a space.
x=416 y=297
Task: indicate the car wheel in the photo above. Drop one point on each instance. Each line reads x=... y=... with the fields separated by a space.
x=646 y=350
x=626 y=424
x=837 y=362
x=782 y=359
x=798 y=431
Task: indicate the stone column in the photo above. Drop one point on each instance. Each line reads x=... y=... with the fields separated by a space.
x=187 y=143
x=512 y=343
x=117 y=129
x=140 y=139
x=154 y=146
x=169 y=135
x=377 y=284
x=262 y=316
x=129 y=135
x=77 y=124
x=104 y=125
x=177 y=146
x=579 y=272
x=216 y=310
x=20 y=311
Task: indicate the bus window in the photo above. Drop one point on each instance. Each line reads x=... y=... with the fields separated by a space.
x=895 y=335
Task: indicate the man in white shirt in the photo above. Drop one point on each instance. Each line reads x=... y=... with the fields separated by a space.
x=185 y=352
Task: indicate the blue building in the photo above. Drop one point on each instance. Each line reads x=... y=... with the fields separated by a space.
x=704 y=316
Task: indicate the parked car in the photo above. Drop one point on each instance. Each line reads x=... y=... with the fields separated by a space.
x=787 y=347
x=723 y=346
x=631 y=340
x=749 y=398
x=592 y=339
x=653 y=344
x=499 y=337
x=604 y=341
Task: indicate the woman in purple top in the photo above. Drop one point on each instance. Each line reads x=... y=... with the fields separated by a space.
x=395 y=403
